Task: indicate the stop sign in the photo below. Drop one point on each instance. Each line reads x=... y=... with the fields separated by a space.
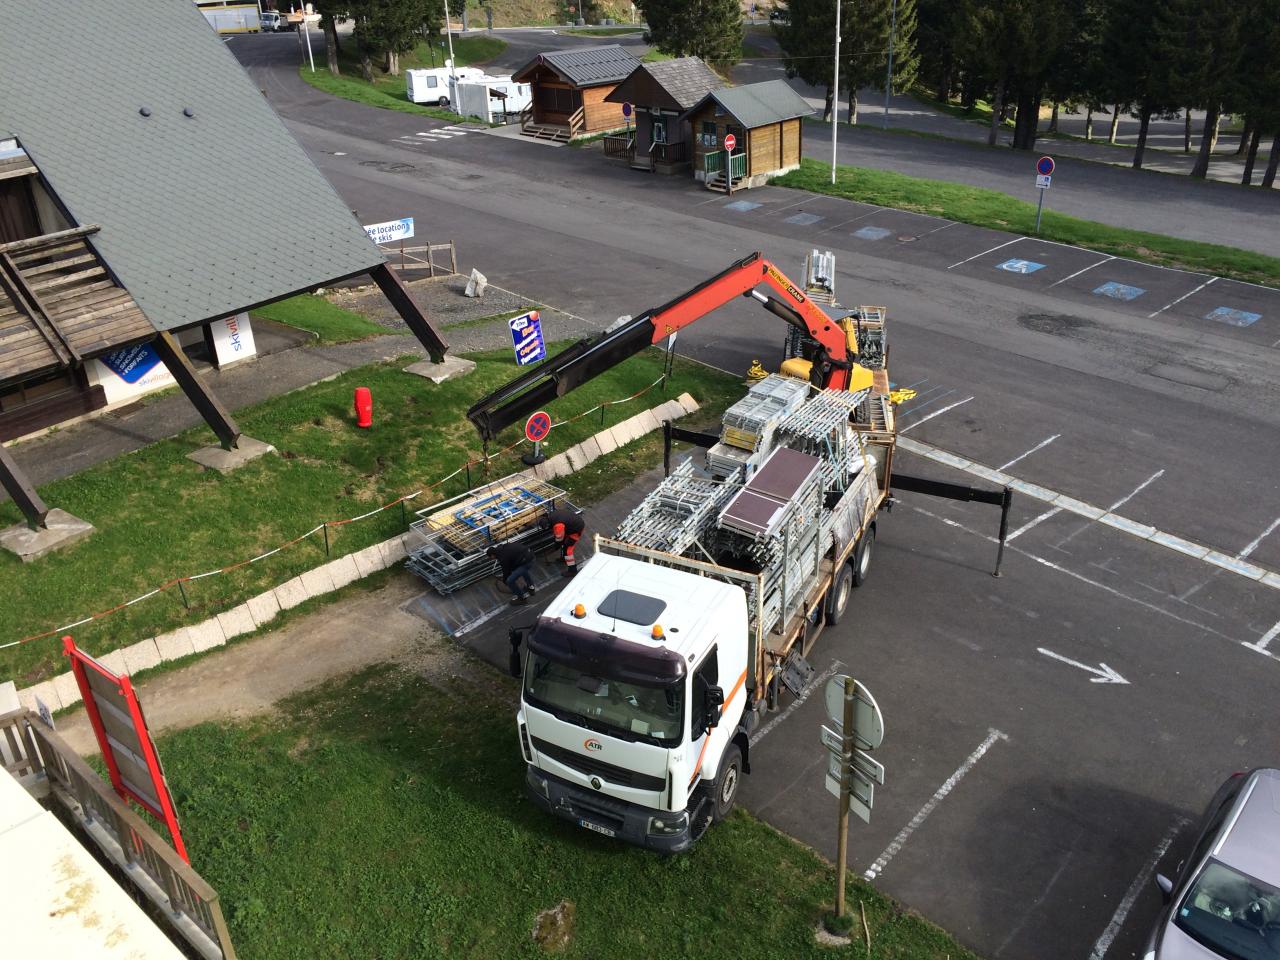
x=730 y=141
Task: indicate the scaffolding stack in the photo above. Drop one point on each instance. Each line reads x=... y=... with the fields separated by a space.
x=821 y=428
x=679 y=512
x=820 y=277
x=447 y=543
x=749 y=423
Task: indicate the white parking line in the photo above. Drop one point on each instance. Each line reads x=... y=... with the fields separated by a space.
x=936 y=413
x=794 y=705
x=1022 y=456
x=1031 y=523
x=1181 y=298
x=985 y=252
x=1115 y=506
x=1242 y=555
x=936 y=229
x=1265 y=641
x=1139 y=882
x=1085 y=270
x=939 y=795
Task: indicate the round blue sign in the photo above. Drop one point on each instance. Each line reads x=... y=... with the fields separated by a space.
x=538 y=426
x=626 y=110
x=1044 y=166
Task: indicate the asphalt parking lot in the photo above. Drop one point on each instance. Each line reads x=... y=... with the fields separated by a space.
x=1026 y=805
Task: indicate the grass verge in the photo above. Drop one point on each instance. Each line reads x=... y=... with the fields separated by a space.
x=158 y=516
x=602 y=31
x=387 y=809
x=387 y=91
x=999 y=211
x=329 y=322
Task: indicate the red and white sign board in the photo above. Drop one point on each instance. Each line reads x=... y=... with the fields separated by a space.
x=127 y=747
x=730 y=141
x=537 y=426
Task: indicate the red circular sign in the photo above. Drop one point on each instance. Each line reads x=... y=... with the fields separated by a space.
x=537 y=426
x=730 y=141
x=1044 y=166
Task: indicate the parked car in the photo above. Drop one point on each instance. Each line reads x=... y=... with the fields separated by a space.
x=1224 y=900
x=269 y=21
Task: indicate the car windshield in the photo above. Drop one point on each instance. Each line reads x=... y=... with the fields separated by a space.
x=653 y=714
x=1232 y=914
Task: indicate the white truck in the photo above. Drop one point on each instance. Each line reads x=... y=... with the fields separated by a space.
x=644 y=679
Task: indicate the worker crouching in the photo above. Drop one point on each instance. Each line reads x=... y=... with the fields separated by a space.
x=516 y=562
x=567 y=527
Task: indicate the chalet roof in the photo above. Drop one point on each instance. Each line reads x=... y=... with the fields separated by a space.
x=184 y=224
x=759 y=104
x=685 y=81
x=584 y=66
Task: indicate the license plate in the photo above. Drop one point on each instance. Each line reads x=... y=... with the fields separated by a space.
x=597 y=828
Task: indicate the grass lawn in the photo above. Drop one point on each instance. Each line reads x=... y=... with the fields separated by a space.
x=384 y=815
x=388 y=92
x=329 y=322
x=158 y=516
x=999 y=211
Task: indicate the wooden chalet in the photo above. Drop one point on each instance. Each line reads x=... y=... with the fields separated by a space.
x=660 y=93
x=765 y=119
x=569 y=91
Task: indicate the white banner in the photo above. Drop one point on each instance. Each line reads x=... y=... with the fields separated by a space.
x=233 y=339
x=390 y=231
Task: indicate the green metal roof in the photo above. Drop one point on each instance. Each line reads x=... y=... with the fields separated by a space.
x=188 y=226
x=759 y=104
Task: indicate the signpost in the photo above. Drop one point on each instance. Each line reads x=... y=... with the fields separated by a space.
x=526 y=338
x=857 y=726
x=730 y=141
x=536 y=429
x=627 y=110
x=1044 y=176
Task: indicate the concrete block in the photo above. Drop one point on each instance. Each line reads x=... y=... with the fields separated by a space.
x=206 y=635
x=317 y=581
x=450 y=369
x=174 y=645
x=557 y=466
x=393 y=551
x=47 y=693
x=577 y=458
x=620 y=436
x=66 y=688
x=646 y=422
x=263 y=608
x=236 y=622
x=343 y=571
x=606 y=441
x=686 y=401
x=61 y=530
x=290 y=593
x=113 y=661
x=224 y=461
x=369 y=560
x=590 y=449
x=143 y=655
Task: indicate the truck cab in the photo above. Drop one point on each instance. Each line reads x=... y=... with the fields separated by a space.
x=633 y=700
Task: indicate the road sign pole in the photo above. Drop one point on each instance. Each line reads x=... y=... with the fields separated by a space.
x=835 y=93
x=842 y=842
x=1039 y=210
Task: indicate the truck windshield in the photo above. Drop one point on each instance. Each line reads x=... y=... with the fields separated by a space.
x=1232 y=914
x=628 y=710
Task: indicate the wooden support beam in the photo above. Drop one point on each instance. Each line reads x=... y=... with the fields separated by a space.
x=394 y=290
x=210 y=407
x=18 y=487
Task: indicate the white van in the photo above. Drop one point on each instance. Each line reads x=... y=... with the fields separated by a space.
x=432 y=85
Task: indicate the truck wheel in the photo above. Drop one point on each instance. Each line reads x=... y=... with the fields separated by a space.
x=442 y=102
x=838 y=596
x=727 y=782
x=862 y=557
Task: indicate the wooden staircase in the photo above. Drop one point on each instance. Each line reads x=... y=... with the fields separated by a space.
x=716 y=182
x=555 y=132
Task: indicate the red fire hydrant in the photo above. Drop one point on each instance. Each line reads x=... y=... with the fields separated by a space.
x=364 y=407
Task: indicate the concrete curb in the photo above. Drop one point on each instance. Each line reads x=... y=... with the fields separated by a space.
x=62 y=691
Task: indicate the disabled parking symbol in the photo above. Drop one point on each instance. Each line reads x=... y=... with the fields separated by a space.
x=1020 y=266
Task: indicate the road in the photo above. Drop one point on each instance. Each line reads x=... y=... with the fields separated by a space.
x=1025 y=803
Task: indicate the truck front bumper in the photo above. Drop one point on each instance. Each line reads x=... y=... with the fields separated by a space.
x=606 y=815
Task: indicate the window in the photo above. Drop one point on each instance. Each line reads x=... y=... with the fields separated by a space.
x=708 y=135
x=556 y=99
x=659 y=131
x=705 y=677
x=432 y=82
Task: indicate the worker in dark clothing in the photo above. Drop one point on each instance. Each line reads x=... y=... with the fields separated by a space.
x=516 y=561
x=567 y=526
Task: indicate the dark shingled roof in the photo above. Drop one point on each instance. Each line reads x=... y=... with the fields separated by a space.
x=759 y=104
x=586 y=66
x=186 y=225
x=686 y=80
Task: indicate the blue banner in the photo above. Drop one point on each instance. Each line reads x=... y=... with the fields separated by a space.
x=526 y=338
x=132 y=363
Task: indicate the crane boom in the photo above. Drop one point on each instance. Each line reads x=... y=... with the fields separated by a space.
x=835 y=368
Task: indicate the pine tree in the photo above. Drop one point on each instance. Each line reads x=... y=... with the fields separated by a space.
x=865 y=29
x=710 y=29
x=806 y=35
x=1216 y=41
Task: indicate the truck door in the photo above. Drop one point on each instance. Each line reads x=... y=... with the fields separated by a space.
x=705 y=676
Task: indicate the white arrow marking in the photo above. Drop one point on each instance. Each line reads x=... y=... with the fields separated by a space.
x=1105 y=675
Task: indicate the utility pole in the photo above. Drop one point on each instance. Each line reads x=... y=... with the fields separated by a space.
x=842 y=841
x=835 y=93
x=888 y=80
x=453 y=70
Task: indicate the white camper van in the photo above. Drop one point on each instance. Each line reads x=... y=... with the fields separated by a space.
x=432 y=85
x=492 y=99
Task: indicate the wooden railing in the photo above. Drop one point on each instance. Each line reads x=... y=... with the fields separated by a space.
x=53 y=768
x=676 y=152
x=713 y=163
x=415 y=258
x=526 y=116
x=577 y=120
x=619 y=146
